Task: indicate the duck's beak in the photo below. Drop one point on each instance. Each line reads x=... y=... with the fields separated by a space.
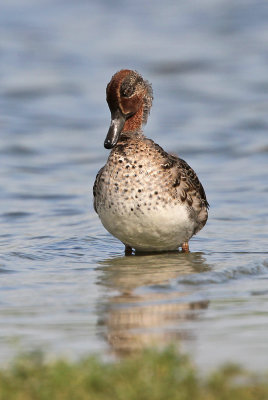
x=117 y=124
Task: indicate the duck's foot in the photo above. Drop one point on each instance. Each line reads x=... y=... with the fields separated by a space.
x=185 y=247
x=128 y=250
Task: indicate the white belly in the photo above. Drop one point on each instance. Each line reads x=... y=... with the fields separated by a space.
x=162 y=229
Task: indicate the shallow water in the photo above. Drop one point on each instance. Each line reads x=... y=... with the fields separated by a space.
x=65 y=284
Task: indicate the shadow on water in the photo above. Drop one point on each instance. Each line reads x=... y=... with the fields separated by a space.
x=142 y=308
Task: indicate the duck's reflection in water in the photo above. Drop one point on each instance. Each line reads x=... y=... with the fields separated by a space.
x=143 y=307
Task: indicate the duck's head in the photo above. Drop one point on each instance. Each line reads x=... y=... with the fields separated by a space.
x=129 y=98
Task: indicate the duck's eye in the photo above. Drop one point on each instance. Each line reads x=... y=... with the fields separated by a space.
x=130 y=85
x=126 y=90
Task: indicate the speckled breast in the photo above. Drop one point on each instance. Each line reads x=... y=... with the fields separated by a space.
x=136 y=201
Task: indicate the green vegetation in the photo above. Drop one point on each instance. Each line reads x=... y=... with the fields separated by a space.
x=152 y=375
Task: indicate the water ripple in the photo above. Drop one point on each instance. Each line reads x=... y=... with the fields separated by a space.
x=224 y=275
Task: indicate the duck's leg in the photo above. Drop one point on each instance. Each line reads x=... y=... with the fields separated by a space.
x=128 y=250
x=185 y=247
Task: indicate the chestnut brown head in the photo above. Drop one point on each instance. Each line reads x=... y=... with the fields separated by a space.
x=129 y=98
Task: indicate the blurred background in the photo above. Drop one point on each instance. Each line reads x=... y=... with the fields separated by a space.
x=65 y=286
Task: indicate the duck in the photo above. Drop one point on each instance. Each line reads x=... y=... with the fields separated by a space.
x=149 y=199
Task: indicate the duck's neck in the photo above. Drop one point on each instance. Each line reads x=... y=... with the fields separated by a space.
x=134 y=123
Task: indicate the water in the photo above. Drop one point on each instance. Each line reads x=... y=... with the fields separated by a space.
x=65 y=284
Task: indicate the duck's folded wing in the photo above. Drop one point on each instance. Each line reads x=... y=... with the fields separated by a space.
x=95 y=188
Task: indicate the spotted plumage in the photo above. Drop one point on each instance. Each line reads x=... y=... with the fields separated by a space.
x=150 y=200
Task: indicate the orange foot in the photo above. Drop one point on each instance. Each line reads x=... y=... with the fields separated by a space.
x=185 y=247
